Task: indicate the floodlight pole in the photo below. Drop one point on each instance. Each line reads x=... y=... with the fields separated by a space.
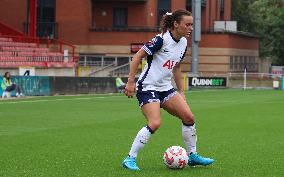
x=196 y=36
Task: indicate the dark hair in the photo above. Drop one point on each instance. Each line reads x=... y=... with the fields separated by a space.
x=168 y=20
x=5 y=75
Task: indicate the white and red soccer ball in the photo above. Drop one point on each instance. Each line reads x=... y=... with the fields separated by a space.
x=175 y=157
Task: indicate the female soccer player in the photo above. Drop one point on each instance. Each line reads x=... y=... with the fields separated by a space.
x=154 y=89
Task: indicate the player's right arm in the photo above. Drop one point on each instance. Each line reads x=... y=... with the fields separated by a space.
x=148 y=49
x=131 y=86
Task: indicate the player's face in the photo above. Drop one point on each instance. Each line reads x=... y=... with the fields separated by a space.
x=185 y=27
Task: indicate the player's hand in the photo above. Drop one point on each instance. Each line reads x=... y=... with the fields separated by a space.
x=130 y=89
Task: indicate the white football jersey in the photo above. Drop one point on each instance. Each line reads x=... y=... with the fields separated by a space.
x=164 y=52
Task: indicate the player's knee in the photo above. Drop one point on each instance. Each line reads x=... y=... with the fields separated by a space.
x=155 y=125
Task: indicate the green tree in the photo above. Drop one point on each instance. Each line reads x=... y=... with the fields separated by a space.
x=241 y=14
x=266 y=19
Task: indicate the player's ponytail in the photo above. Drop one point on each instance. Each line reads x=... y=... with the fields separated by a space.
x=168 y=19
x=166 y=22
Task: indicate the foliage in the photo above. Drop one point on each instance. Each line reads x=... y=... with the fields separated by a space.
x=265 y=18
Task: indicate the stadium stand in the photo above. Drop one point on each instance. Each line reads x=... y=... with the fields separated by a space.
x=15 y=54
x=18 y=50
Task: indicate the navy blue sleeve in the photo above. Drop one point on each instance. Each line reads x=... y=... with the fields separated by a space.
x=184 y=53
x=153 y=46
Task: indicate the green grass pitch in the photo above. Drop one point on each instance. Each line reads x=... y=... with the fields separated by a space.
x=91 y=135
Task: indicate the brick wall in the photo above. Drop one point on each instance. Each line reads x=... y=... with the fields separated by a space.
x=13 y=13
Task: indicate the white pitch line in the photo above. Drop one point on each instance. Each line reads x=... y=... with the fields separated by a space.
x=59 y=99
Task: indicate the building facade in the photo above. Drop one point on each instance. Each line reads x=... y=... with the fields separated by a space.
x=108 y=32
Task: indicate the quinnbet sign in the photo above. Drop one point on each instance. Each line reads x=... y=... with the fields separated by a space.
x=207 y=81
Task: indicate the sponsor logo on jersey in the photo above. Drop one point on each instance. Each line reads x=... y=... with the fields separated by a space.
x=170 y=64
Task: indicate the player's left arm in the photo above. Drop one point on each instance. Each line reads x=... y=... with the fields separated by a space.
x=179 y=79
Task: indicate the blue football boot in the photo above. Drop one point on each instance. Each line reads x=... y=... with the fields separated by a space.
x=130 y=163
x=195 y=159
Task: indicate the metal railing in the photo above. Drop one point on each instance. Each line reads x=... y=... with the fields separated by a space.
x=95 y=63
x=121 y=70
x=44 y=29
x=59 y=46
x=110 y=65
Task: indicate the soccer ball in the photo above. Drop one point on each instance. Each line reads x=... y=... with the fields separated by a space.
x=175 y=157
